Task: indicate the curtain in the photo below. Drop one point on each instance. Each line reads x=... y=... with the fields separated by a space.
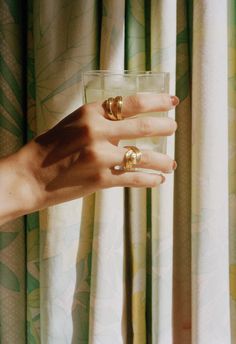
x=124 y=265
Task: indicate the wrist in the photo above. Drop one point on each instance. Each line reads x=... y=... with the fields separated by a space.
x=17 y=189
x=32 y=189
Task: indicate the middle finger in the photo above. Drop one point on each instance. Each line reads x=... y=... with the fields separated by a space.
x=141 y=127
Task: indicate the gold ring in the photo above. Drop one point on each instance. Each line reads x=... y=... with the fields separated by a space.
x=132 y=157
x=119 y=104
x=109 y=105
x=113 y=108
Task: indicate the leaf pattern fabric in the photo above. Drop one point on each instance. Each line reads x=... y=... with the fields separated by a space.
x=123 y=265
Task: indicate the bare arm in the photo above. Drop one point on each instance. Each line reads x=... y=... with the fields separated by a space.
x=15 y=189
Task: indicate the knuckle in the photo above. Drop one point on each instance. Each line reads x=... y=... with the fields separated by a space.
x=146 y=158
x=99 y=178
x=92 y=155
x=145 y=126
x=138 y=103
x=85 y=109
x=84 y=123
x=76 y=116
x=82 y=113
x=87 y=131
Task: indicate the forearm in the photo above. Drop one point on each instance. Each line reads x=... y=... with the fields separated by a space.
x=16 y=189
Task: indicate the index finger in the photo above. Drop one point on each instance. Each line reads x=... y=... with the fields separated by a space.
x=145 y=103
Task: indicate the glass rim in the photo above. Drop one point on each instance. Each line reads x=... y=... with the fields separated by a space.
x=126 y=72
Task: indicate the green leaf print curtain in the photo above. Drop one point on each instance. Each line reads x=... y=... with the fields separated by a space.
x=124 y=266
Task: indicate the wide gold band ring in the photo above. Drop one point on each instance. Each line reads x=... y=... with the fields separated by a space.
x=113 y=108
x=132 y=158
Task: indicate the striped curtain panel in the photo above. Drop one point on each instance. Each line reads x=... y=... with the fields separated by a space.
x=155 y=266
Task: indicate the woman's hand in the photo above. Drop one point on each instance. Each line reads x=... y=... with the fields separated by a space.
x=77 y=156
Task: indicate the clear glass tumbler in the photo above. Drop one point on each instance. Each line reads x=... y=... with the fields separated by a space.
x=102 y=84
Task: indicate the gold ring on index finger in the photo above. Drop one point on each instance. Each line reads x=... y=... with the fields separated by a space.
x=109 y=108
x=113 y=108
x=119 y=104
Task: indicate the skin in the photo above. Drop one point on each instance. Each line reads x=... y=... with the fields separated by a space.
x=77 y=156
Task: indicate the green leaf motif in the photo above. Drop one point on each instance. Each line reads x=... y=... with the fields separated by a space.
x=8 y=278
x=182 y=37
x=75 y=78
x=104 y=10
x=80 y=271
x=32 y=283
x=6 y=124
x=30 y=134
x=36 y=318
x=232 y=82
x=182 y=86
x=34 y=299
x=11 y=110
x=14 y=8
x=11 y=80
x=81 y=331
x=6 y=238
x=30 y=337
x=32 y=221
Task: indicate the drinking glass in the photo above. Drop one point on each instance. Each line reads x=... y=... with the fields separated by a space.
x=99 y=85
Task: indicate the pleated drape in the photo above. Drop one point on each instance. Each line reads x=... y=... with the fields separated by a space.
x=182 y=322
x=155 y=266
x=210 y=236
x=107 y=299
x=163 y=57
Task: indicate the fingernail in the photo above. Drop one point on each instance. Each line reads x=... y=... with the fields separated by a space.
x=174 y=100
x=163 y=178
x=174 y=165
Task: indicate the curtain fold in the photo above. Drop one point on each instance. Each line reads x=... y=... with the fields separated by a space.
x=163 y=58
x=107 y=300
x=210 y=236
x=155 y=266
x=71 y=32
x=135 y=59
x=182 y=322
